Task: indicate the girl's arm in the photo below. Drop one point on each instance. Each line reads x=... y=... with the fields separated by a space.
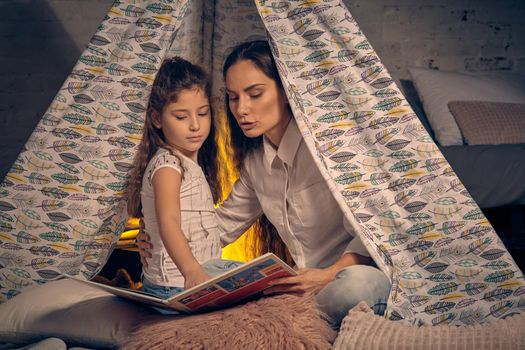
x=166 y=186
x=235 y=215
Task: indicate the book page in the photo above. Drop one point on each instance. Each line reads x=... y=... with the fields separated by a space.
x=243 y=283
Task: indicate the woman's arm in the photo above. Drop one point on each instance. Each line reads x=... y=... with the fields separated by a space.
x=239 y=211
x=166 y=187
x=311 y=280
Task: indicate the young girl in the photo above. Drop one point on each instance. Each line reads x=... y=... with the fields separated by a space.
x=176 y=160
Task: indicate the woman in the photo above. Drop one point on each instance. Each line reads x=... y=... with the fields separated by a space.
x=278 y=178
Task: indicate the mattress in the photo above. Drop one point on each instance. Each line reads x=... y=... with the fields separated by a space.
x=493 y=174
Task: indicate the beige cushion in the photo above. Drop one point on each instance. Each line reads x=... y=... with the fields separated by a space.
x=363 y=330
x=276 y=323
x=489 y=123
x=76 y=313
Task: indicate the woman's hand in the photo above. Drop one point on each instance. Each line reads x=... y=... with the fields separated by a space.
x=310 y=281
x=195 y=277
x=307 y=282
x=144 y=244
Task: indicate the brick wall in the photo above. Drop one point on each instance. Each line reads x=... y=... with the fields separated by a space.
x=40 y=42
x=455 y=35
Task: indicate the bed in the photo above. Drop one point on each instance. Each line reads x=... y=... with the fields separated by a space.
x=490 y=166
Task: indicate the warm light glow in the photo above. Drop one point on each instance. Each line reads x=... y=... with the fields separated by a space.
x=238 y=250
x=130 y=234
x=132 y=223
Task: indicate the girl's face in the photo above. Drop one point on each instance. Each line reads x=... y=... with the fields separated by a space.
x=256 y=102
x=186 y=123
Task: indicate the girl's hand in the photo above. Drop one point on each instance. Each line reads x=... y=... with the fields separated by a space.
x=144 y=244
x=193 y=278
x=307 y=282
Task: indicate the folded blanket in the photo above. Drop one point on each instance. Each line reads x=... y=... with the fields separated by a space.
x=363 y=330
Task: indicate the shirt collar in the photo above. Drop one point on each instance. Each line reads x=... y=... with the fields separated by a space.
x=287 y=148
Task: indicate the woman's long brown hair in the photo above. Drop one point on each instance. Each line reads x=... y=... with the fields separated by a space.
x=174 y=75
x=259 y=53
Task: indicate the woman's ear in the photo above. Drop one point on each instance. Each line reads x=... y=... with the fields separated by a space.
x=282 y=95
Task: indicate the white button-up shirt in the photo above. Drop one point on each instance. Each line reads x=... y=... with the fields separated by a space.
x=286 y=185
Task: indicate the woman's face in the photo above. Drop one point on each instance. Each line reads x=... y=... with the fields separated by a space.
x=256 y=102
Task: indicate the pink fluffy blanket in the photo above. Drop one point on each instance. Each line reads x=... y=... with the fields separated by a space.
x=280 y=322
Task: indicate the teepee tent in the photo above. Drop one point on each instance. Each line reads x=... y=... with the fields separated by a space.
x=62 y=207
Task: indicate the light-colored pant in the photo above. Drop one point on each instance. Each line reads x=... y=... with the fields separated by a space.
x=352 y=285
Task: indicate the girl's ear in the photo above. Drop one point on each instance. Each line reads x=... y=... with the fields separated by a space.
x=155 y=119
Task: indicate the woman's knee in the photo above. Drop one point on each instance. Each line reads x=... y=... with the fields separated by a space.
x=352 y=285
x=363 y=274
x=364 y=282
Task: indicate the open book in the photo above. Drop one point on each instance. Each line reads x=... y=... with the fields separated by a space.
x=243 y=283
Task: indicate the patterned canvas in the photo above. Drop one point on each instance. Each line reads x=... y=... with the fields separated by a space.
x=414 y=215
x=61 y=204
x=61 y=207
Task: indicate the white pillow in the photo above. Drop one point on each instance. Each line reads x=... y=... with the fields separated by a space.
x=76 y=313
x=437 y=88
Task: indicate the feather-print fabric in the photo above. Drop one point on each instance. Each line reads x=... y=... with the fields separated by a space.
x=415 y=217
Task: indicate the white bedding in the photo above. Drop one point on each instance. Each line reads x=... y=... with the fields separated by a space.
x=493 y=174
